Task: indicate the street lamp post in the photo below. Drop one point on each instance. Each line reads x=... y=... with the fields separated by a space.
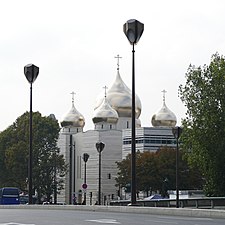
x=31 y=72
x=70 y=169
x=85 y=158
x=133 y=29
x=99 y=146
x=177 y=132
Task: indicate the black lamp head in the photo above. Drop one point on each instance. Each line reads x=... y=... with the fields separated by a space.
x=31 y=72
x=85 y=157
x=133 y=29
x=100 y=146
x=177 y=132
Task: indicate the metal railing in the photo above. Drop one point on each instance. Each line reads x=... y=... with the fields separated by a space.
x=203 y=202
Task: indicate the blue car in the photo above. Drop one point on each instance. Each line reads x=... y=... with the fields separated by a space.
x=9 y=196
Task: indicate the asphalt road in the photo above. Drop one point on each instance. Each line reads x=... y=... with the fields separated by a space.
x=74 y=217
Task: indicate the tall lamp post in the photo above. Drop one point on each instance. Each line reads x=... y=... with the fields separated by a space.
x=85 y=158
x=99 y=146
x=31 y=72
x=177 y=132
x=133 y=29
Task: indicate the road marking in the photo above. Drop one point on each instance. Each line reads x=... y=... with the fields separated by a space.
x=12 y=223
x=103 y=221
x=183 y=218
x=162 y=222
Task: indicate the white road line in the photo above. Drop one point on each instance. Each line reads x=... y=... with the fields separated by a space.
x=163 y=222
x=111 y=221
x=13 y=223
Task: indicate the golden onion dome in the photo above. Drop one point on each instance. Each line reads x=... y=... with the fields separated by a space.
x=105 y=113
x=119 y=97
x=73 y=118
x=164 y=117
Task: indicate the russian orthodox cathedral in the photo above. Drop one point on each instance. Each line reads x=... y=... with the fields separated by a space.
x=112 y=126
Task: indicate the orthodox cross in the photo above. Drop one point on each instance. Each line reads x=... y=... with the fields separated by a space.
x=164 y=95
x=118 y=61
x=105 y=87
x=73 y=93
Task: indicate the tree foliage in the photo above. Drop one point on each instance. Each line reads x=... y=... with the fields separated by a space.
x=156 y=171
x=204 y=126
x=48 y=164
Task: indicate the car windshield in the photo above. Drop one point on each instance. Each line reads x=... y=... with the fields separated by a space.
x=10 y=192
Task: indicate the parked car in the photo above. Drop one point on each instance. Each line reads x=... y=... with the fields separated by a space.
x=9 y=196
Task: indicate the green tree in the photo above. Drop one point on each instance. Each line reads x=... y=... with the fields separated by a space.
x=156 y=171
x=147 y=172
x=189 y=177
x=48 y=165
x=124 y=174
x=204 y=126
x=5 y=137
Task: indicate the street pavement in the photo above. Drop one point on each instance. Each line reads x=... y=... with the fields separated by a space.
x=81 y=217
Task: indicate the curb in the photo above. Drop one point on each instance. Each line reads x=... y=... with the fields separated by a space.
x=210 y=213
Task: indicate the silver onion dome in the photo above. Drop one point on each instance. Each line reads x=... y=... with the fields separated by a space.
x=164 y=117
x=120 y=98
x=73 y=118
x=105 y=113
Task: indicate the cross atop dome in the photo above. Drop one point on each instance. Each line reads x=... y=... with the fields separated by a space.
x=105 y=87
x=118 y=61
x=164 y=95
x=73 y=93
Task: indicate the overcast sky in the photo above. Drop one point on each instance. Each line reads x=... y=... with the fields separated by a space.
x=74 y=44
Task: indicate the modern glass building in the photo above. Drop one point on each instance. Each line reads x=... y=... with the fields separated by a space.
x=148 y=139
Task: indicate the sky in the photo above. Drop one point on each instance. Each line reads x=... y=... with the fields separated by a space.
x=74 y=44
